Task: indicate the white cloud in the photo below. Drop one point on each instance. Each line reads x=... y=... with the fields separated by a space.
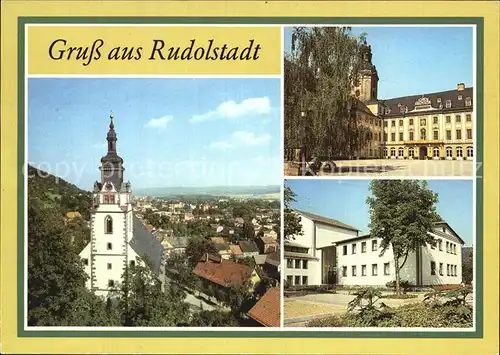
x=231 y=109
x=241 y=138
x=161 y=122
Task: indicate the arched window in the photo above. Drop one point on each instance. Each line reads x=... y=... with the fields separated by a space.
x=435 y=152
x=449 y=152
x=401 y=152
x=108 y=225
x=385 y=152
x=470 y=152
x=411 y=152
x=422 y=134
x=393 y=152
x=459 y=152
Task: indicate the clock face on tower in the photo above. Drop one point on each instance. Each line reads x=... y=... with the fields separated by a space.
x=109 y=187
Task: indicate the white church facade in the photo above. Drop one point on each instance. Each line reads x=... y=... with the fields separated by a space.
x=331 y=252
x=118 y=239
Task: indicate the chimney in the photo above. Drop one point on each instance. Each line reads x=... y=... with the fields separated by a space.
x=460 y=86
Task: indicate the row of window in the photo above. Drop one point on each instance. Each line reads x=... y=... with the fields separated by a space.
x=363 y=247
x=451 y=248
x=451 y=270
x=296 y=264
x=296 y=280
x=374 y=270
x=423 y=135
x=110 y=266
x=435 y=120
x=435 y=152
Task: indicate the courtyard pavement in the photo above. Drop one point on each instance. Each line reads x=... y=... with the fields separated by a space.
x=407 y=168
x=299 y=310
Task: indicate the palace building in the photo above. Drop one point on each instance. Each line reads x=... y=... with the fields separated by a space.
x=436 y=125
x=118 y=239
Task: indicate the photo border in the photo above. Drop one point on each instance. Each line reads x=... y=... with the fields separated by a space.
x=280 y=21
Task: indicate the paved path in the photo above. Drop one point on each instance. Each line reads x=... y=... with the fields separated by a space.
x=396 y=167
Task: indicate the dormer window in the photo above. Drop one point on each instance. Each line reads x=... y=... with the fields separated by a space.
x=439 y=100
x=387 y=110
x=468 y=101
x=448 y=103
x=459 y=97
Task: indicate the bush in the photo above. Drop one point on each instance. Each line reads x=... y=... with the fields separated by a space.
x=402 y=296
x=403 y=284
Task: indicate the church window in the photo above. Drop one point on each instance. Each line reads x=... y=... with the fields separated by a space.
x=448 y=103
x=110 y=266
x=111 y=283
x=108 y=225
x=85 y=262
x=110 y=246
x=468 y=101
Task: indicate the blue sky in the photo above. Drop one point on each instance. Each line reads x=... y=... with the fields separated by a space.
x=171 y=132
x=345 y=200
x=417 y=60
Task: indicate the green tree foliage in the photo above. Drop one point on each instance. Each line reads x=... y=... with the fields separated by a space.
x=215 y=318
x=143 y=303
x=248 y=230
x=402 y=212
x=468 y=267
x=197 y=247
x=56 y=279
x=292 y=225
x=320 y=72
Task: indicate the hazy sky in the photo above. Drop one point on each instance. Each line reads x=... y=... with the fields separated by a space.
x=171 y=132
x=417 y=60
x=345 y=200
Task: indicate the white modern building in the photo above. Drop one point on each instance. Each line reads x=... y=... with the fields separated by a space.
x=117 y=237
x=330 y=252
x=310 y=258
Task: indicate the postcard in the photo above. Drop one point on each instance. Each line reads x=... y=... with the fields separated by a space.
x=261 y=177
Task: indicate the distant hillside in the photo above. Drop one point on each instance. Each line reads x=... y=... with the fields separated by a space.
x=208 y=191
x=56 y=193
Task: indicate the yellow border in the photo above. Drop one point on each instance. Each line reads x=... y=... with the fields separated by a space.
x=11 y=344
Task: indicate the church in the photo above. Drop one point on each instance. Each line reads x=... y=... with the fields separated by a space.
x=118 y=239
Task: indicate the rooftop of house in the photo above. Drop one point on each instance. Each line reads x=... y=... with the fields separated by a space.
x=218 y=240
x=248 y=246
x=222 y=272
x=268 y=240
x=328 y=221
x=273 y=258
x=260 y=259
x=177 y=242
x=267 y=310
x=235 y=249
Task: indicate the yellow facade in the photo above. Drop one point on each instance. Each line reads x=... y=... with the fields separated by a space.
x=436 y=136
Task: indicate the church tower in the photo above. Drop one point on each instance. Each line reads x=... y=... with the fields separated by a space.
x=111 y=223
x=366 y=91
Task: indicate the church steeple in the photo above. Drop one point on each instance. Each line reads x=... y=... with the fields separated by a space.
x=111 y=164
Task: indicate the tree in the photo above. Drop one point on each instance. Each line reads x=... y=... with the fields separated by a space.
x=467 y=265
x=292 y=220
x=197 y=247
x=402 y=212
x=248 y=231
x=321 y=71
x=215 y=318
x=143 y=303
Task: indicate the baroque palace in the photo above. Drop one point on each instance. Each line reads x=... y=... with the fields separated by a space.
x=428 y=126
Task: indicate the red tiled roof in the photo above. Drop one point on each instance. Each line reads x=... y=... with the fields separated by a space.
x=267 y=310
x=222 y=272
